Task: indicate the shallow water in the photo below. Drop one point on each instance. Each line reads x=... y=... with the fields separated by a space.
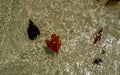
x=75 y=21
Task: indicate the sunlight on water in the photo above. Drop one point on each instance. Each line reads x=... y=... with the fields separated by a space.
x=75 y=21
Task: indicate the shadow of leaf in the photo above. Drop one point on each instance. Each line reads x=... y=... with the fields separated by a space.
x=48 y=51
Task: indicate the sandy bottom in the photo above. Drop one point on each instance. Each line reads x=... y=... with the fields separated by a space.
x=75 y=21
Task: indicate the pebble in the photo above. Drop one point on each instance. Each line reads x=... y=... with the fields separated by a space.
x=97 y=61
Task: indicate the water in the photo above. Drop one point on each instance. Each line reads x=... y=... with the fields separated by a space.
x=75 y=21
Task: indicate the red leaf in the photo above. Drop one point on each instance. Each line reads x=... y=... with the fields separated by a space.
x=54 y=44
